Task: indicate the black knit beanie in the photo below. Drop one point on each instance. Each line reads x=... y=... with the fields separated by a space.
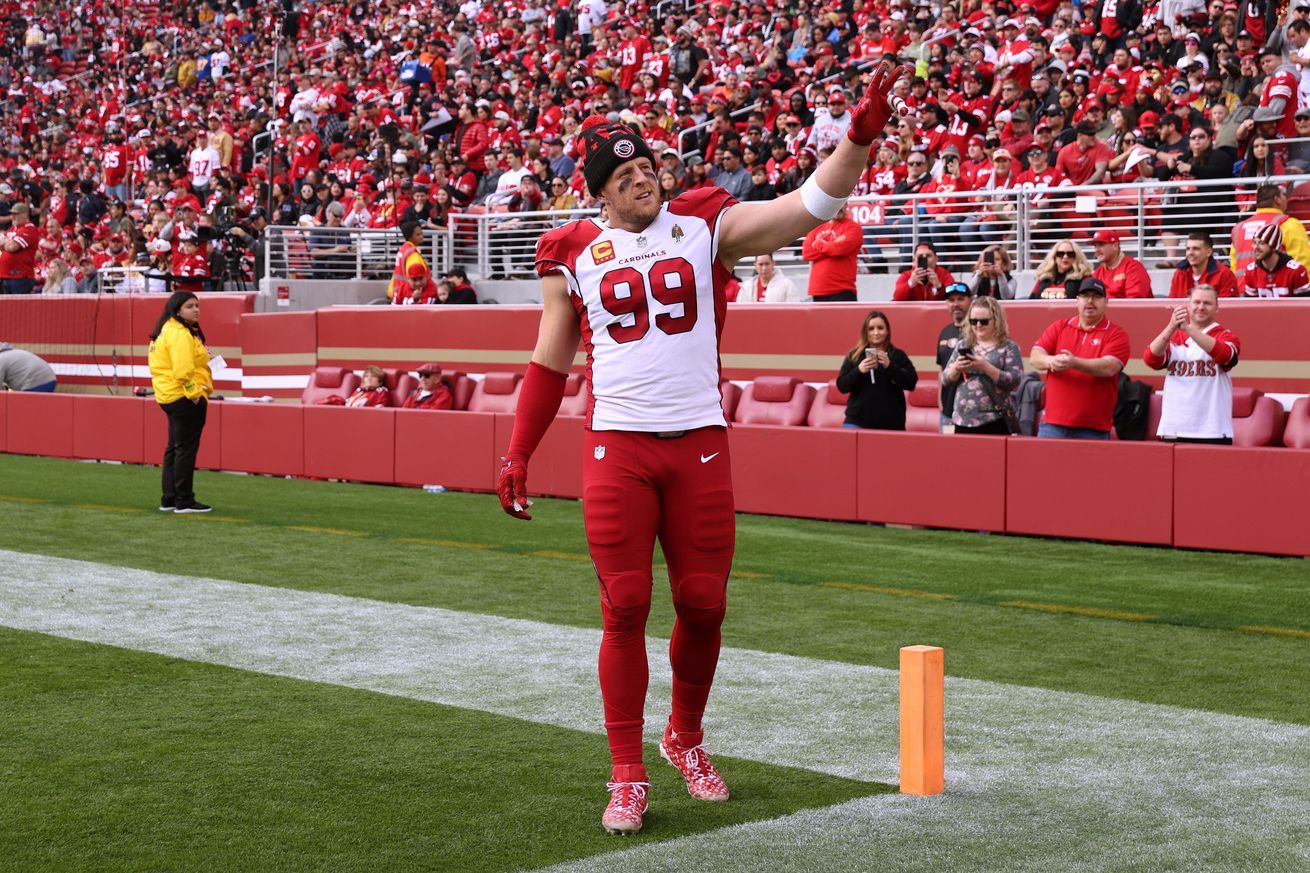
x=605 y=146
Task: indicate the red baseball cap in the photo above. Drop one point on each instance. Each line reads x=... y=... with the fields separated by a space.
x=1106 y=236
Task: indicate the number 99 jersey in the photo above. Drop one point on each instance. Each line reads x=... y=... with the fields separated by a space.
x=651 y=307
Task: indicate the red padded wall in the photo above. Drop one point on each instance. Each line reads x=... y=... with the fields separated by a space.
x=1089 y=489
x=472 y=339
x=933 y=480
x=794 y=471
x=1250 y=500
x=264 y=438
x=439 y=447
x=109 y=428
x=279 y=351
x=40 y=424
x=348 y=443
x=155 y=435
x=556 y=466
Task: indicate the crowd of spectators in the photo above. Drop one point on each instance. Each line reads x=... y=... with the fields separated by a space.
x=121 y=119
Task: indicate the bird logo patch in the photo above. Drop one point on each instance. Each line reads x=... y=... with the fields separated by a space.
x=599 y=453
x=602 y=252
x=624 y=149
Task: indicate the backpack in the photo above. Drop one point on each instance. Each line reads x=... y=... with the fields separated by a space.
x=1132 y=409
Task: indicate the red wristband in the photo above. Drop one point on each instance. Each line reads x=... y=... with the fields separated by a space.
x=539 y=400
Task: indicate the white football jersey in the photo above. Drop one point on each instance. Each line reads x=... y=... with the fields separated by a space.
x=1198 y=387
x=651 y=306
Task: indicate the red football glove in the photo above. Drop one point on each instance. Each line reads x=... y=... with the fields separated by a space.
x=874 y=110
x=512 y=488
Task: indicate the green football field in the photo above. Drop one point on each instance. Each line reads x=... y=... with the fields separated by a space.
x=332 y=676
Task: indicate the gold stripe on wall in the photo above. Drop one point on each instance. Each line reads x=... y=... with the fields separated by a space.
x=290 y=359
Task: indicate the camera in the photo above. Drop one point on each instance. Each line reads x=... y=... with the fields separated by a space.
x=964 y=351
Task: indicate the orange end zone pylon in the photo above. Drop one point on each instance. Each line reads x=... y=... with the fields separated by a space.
x=923 y=726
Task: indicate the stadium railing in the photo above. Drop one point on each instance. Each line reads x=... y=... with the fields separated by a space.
x=1028 y=222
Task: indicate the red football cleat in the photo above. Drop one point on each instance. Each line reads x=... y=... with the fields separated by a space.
x=703 y=781
x=627 y=805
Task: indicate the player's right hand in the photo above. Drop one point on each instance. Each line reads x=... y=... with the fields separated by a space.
x=874 y=110
x=512 y=488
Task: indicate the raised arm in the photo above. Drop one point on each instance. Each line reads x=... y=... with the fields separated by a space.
x=750 y=229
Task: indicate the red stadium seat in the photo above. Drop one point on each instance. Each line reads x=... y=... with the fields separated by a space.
x=731 y=397
x=576 y=397
x=828 y=408
x=922 y=412
x=1296 y=434
x=497 y=392
x=400 y=384
x=460 y=387
x=329 y=382
x=1153 y=416
x=781 y=400
x=1257 y=420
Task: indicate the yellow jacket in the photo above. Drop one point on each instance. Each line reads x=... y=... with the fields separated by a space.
x=1295 y=241
x=179 y=365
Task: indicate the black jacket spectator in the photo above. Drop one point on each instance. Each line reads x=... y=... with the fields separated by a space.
x=877 y=400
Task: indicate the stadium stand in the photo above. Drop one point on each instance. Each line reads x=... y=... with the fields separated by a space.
x=161 y=106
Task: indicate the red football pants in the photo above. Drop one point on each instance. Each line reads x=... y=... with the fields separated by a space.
x=637 y=487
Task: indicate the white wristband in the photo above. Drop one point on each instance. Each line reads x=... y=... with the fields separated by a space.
x=818 y=202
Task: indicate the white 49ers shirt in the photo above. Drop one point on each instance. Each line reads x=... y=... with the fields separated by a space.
x=1198 y=388
x=651 y=306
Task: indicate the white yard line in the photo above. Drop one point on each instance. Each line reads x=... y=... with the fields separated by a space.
x=1052 y=780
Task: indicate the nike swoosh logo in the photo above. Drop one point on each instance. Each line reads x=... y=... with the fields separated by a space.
x=706 y=459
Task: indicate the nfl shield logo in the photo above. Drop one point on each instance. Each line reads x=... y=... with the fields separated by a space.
x=600 y=452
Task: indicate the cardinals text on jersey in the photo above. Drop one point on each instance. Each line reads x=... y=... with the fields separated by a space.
x=651 y=305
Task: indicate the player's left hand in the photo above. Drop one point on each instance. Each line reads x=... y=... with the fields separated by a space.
x=512 y=488
x=874 y=110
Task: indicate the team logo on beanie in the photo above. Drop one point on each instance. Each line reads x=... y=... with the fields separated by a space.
x=605 y=145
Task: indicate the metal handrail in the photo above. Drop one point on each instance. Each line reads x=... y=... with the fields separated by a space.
x=480 y=242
